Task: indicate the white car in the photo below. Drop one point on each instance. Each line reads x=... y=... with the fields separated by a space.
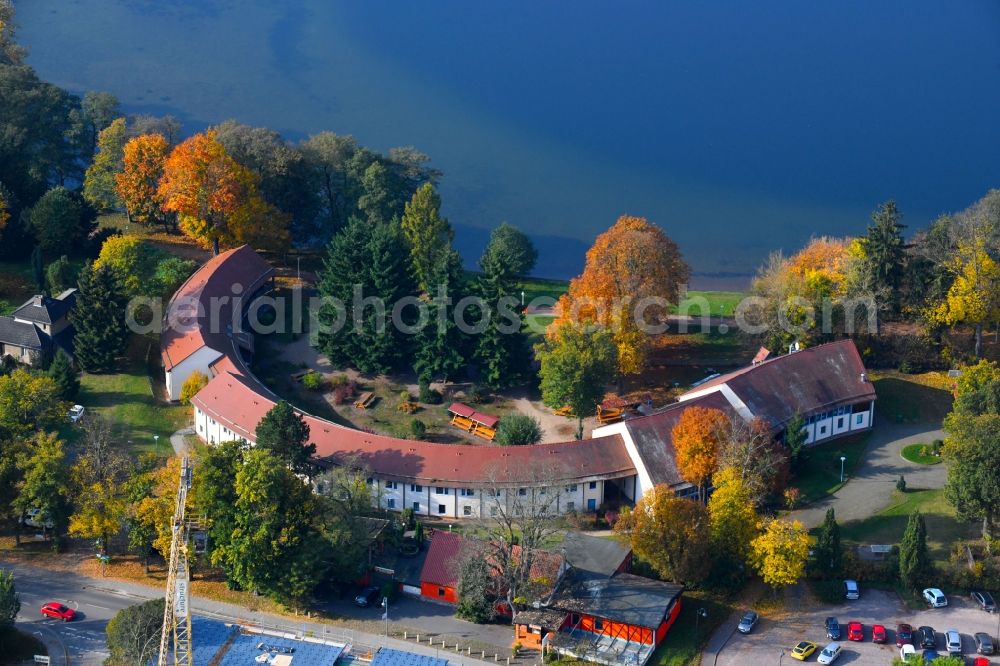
x=907 y=651
x=829 y=654
x=75 y=413
x=31 y=519
x=953 y=641
x=851 y=590
x=935 y=597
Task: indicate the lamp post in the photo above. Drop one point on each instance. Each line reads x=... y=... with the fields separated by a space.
x=781 y=656
x=156 y=442
x=385 y=615
x=700 y=614
x=522 y=299
x=842 y=459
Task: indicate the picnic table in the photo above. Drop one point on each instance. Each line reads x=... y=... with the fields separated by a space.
x=365 y=400
x=473 y=422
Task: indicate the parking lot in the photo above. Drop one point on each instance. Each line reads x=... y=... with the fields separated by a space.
x=771 y=637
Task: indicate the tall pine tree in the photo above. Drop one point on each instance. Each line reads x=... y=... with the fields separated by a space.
x=828 y=551
x=501 y=347
x=284 y=433
x=885 y=250
x=914 y=560
x=64 y=375
x=99 y=318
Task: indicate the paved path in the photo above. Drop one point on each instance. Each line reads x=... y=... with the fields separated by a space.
x=97 y=600
x=177 y=440
x=869 y=490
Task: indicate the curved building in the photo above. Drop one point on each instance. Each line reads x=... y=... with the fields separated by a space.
x=203 y=331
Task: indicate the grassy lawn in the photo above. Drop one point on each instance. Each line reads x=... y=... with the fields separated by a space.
x=713 y=303
x=887 y=526
x=683 y=645
x=819 y=473
x=912 y=398
x=915 y=454
x=126 y=399
x=540 y=287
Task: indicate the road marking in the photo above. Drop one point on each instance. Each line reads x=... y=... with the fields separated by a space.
x=97 y=606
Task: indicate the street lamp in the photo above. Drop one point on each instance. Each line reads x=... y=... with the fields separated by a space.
x=156 y=442
x=780 y=657
x=842 y=459
x=700 y=614
x=385 y=615
x=522 y=299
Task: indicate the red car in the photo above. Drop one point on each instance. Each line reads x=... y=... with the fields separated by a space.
x=855 y=632
x=58 y=611
x=904 y=635
x=878 y=633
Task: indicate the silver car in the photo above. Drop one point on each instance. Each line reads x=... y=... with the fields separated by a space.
x=829 y=654
x=747 y=622
x=953 y=641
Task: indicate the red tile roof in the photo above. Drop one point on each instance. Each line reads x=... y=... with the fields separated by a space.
x=239 y=402
x=191 y=322
x=440 y=566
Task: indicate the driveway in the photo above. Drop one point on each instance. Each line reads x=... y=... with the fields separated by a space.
x=774 y=635
x=870 y=488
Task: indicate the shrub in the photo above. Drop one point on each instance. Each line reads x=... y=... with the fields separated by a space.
x=314 y=381
x=901 y=484
x=518 y=429
x=924 y=451
x=792 y=497
x=428 y=395
x=343 y=392
x=936 y=447
x=418 y=429
x=476 y=394
x=339 y=380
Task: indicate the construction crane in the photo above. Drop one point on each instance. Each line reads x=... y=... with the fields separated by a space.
x=176 y=608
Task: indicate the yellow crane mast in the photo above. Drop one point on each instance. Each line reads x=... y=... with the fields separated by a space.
x=177 y=609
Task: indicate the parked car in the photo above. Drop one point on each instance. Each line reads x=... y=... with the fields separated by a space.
x=930 y=655
x=829 y=654
x=58 y=611
x=368 y=596
x=953 y=641
x=76 y=413
x=935 y=597
x=851 y=590
x=32 y=518
x=980 y=661
x=907 y=653
x=878 y=633
x=855 y=631
x=984 y=643
x=832 y=629
x=747 y=622
x=904 y=635
x=803 y=650
x=985 y=601
x=928 y=637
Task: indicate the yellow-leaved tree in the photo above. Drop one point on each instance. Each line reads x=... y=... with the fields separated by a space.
x=731 y=515
x=974 y=296
x=780 y=552
x=194 y=383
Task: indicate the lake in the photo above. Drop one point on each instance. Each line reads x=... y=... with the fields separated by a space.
x=739 y=127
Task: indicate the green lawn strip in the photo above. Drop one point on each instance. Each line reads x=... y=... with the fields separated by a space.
x=540 y=287
x=712 y=303
x=915 y=454
x=902 y=400
x=887 y=526
x=682 y=645
x=126 y=399
x=819 y=474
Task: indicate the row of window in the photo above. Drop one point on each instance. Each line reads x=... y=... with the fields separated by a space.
x=829 y=414
x=467 y=509
x=470 y=492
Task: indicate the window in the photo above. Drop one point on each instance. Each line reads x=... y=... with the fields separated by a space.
x=416 y=507
x=468 y=492
x=571 y=506
x=466 y=510
x=541 y=491
x=441 y=508
x=598 y=624
x=522 y=492
x=391 y=485
x=441 y=491
x=859 y=419
x=369 y=480
x=440 y=591
x=593 y=485
x=571 y=489
x=201 y=428
x=493 y=511
x=415 y=488
x=390 y=503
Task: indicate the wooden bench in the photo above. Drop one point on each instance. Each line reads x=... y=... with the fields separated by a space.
x=605 y=416
x=564 y=411
x=365 y=401
x=479 y=430
x=464 y=423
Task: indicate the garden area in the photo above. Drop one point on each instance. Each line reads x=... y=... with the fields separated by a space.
x=818 y=474
x=923 y=454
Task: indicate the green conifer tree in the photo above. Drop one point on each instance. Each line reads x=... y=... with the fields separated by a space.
x=828 y=551
x=914 y=560
x=65 y=376
x=99 y=318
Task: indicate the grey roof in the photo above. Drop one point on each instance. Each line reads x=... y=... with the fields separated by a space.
x=549 y=618
x=634 y=600
x=22 y=334
x=594 y=555
x=390 y=657
x=45 y=309
x=654 y=441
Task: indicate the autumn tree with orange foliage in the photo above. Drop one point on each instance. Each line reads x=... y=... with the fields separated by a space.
x=633 y=273
x=698 y=437
x=139 y=179
x=215 y=197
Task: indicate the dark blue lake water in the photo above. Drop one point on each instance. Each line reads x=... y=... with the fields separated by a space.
x=739 y=127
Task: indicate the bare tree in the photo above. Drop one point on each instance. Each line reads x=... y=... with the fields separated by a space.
x=750 y=449
x=521 y=517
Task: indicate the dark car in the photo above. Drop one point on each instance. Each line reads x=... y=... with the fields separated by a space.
x=985 y=601
x=832 y=629
x=930 y=655
x=984 y=643
x=58 y=611
x=904 y=635
x=368 y=596
x=928 y=637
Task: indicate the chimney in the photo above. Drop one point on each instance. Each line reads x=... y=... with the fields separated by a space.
x=37 y=300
